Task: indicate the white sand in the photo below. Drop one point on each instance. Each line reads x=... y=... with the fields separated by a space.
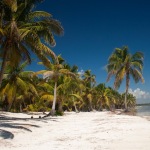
x=77 y=131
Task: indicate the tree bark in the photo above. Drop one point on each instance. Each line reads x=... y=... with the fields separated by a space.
x=60 y=107
x=90 y=106
x=126 y=93
x=54 y=101
x=76 y=110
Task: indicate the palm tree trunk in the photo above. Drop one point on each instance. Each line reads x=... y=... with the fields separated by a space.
x=90 y=105
x=54 y=101
x=100 y=106
x=76 y=110
x=3 y=66
x=60 y=107
x=125 y=101
x=75 y=107
x=126 y=93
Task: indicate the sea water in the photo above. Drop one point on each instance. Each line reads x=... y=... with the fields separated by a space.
x=143 y=110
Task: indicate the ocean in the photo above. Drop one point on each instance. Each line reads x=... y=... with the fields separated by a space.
x=143 y=110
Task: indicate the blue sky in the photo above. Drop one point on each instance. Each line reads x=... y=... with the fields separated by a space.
x=93 y=29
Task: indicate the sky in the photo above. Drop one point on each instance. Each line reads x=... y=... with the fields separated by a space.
x=94 y=28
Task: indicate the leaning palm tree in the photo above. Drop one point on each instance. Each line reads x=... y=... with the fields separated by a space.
x=22 y=30
x=54 y=72
x=123 y=64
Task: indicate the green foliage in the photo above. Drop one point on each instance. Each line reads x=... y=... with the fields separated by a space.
x=21 y=30
x=122 y=64
x=59 y=113
x=38 y=107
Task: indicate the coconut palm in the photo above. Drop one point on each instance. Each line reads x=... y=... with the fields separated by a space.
x=89 y=82
x=68 y=88
x=17 y=83
x=105 y=97
x=22 y=30
x=118 y=101
x=74 y=95
x=131 y=100
x=54 y=72
x=122 y=64
x=89 y=79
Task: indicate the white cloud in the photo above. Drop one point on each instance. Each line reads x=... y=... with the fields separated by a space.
x=142 y=96
x=81 y=73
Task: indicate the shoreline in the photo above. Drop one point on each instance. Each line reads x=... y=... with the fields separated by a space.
x=84 y=130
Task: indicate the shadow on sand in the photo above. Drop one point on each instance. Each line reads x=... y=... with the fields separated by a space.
x=6 y=134
x=9 y=122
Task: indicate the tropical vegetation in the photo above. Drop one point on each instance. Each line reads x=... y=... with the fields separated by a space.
x=122 y=64
x=59 y=87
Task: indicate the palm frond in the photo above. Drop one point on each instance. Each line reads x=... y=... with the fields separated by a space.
x=22 y=85
x=39 y=15
x=137 y=75
x=11 y=4
x=40 y=72
x=117 y=83
x=110 y=74
x=48 y=74
x=137 y=64
x=138 y=55
x=46 y=86
x=32 y=89
x=47 y=51
x=67 y=72
x=55 y=26
x=26 y=74
x=47 y=97
x=24 y=32
x=76 y=96
x=1 y=31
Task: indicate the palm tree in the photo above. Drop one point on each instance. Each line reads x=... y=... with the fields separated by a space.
x=73 y=92
x=118 y=101
x=131 y=100
x=123 y=64
x=22 y=30
x=17 y=82
x=54 y=72
x=105 y=97
x=68 y=88
x=89 y=81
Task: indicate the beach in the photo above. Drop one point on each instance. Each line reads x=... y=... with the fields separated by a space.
x=74 y=131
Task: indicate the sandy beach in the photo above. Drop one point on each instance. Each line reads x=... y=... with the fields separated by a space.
x=74 y=131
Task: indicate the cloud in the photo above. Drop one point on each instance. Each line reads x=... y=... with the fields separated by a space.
x=81 y=73
x=142 y=96
x=138 y=93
